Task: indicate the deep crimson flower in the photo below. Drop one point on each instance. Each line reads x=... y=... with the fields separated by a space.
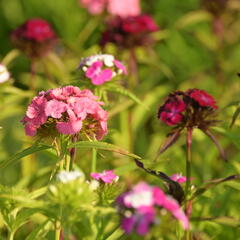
x=202 y=98
x=129 y=32
x=35 y=37
x=171 y=112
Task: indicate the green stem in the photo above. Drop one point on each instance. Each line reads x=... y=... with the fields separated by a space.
x=94 y=160
x=57 y=230
x=188 y=174
x=11 y=235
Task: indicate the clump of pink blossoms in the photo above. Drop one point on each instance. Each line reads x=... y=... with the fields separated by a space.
x=106 y=176
x=121 y=8
x=67 y=110
x=101 y=68
x=139 y=207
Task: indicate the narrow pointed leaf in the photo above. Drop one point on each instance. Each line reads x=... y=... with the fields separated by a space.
x=235 y=116
x=175 y=188
x=171 y=139
x=28 y=151
x=213 y=183
x=103 y=146
x=215 y=141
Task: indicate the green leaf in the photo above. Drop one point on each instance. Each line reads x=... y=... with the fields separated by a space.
x=39 y=232
x=225 y=220
x=28 y=151
x=103 y=146
x=235 y=116
x=213 y=183
x=122 y=91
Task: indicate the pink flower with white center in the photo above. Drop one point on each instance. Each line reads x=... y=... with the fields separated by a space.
x=178 y=178
x=106 y=176
x=139 y=208
x=101 y=68
x=66 y=110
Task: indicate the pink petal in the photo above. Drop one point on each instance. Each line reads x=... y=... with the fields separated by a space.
x=104 y=76
x=69 y=127
x=119 y=65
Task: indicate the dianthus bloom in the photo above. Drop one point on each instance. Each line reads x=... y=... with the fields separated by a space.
x=121 y=8
x=101 y=68
x=68 y=176
x=4 y=74
x=191 y=108
x=130 y=31
x=67 y=110
x=178 y=178
x=35 y=37
x=140 y=205
x=106 y=176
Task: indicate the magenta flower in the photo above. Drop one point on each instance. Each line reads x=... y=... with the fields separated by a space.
x=202 y=98
x=130 y=32
x=67 y=110
x=139 y=208
x=101 y=68
x=178 y=178
x=35 y=37
x=106 y=176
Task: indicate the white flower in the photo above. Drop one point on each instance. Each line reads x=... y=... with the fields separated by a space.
x=107 y=59
x=4 y=74
x=65 y=176
x=138 y=199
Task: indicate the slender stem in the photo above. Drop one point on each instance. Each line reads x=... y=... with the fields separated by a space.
x=57 y=230
x=11 y=235
x=188 y=174
x=94 y=160
x=32 y=74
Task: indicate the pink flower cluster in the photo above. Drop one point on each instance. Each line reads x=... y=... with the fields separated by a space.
x=121 y=8
x=101 y=68
x=191 y=106
x=139 y=208
x=106 y=176
x=68 y=110
x=34 y=37
x=131 y=31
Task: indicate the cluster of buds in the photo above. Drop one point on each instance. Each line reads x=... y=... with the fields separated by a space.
x=66 y=110
x=101 y=68
x=138 y=208
x=193 y=108
x=35 y=38
x=129 y=32
x=121 y=8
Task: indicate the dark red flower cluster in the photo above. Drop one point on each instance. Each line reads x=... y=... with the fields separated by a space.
x=191 y=108
x=35 y=37
x=130 y=31
x=215 y=7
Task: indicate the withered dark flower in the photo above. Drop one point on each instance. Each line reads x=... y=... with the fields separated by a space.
x=35 y=37
x=191 y=109
x=130 y=31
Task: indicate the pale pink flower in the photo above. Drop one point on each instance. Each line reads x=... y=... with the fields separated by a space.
x=94 y=6
x=67 y=109
x=101 y=68
x=124 y=8
x=106 y=176
x=178 y=178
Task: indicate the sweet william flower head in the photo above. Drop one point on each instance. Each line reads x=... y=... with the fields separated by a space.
x=35 y=37
x=121 y=8
x=101 y=68
x=130 y=32
x=106 y=176
x=4 y=74
x=67 y=110
x=139 y=206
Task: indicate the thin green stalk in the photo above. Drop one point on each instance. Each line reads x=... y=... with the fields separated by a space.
x=188 y=175
x=94 y=160
x=11 y=235
x=57 y=230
